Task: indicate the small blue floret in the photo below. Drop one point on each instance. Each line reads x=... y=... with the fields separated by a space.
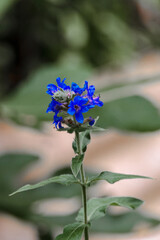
x=57 y=121
x=77 y=107
x=62 y=84
x=54 y=106
x=51 y=89
x=75 y=88
x=92 y=121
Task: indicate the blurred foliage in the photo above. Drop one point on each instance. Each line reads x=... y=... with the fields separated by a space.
x=133 y=113
x=111 y=223
x=34 y=32
x=5 y=5
x=121 y=223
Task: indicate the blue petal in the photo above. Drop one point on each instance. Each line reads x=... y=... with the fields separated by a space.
x=48 y=110
x=63 y=80
x=62 y=84
x=100 y=104
x=91 y=106
x=60 y=125
x=49 y=92
x=77 y=100
x=51 y=88
x=80 y=100
x=86 y=85
x=83 y=101
x=92 y=121
x=50 y=107
x=54 y=106
x=76 y=88
x=91 y=90
x=71 y=111
x=97 y=102
x=58 y=80
x=57 y=121
x=79 y=117
x=84 y=109
x=66 y=87
x=71 y=104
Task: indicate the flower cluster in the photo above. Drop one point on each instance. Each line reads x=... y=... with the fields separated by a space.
x=69 y=103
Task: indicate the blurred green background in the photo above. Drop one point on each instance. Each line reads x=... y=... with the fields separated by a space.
x=43 y=39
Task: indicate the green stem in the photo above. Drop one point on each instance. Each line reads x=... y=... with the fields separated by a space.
x=84 y=197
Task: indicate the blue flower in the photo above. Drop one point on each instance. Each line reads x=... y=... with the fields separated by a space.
x=91 y=121
x=96 y=101
x=90 y=89
x=62 y=84
x=77 y=89
x=57 y=121
x=72 y=101
x=90 y=94
x=77 y=107
x=52 y=88
x=54 y=106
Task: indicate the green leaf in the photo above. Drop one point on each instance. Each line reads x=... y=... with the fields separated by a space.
x=76 y=164
x=134 y=113
x=112 y=177
x=123 y=222
x=85 y=139
x=65 y=179
x=96 y=207
x=72 y=232
x=98 y=129
x=12 y=167
x=74 y=146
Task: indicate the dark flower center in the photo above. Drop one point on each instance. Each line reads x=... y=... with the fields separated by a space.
x=57 y=107
x=77 y=108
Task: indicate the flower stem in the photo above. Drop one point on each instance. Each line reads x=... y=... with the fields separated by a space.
x=84 y=197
